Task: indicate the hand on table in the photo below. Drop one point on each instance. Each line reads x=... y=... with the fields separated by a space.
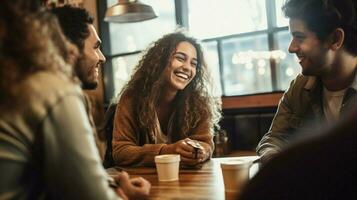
x=187 y=152
x=132 y=188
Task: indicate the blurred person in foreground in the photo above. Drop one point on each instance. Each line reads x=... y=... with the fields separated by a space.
x=324 y=38
x=47 y=148
x=166 y=105
x=77 y=26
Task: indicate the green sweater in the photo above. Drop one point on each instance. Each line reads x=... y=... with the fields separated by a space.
x=299 y=109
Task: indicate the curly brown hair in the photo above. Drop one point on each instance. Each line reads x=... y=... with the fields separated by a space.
x=193 y=104
x=30 y=41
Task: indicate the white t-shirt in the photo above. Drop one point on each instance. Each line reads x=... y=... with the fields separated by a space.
x=332 y=101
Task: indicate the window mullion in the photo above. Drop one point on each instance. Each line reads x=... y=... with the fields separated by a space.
x=181 y=11
x=272 y=43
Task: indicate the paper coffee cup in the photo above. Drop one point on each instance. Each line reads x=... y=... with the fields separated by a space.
x=167 y=167
x=235 y=174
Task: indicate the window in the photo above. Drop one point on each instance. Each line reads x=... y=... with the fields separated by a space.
x=129 y=37
x=280 y=19
x=127 y=40
x=211 y=58
x=212 y=18
x=245 y=43
x=246 y=65
x=122 y=70
x=287 y=64
x=253 y=38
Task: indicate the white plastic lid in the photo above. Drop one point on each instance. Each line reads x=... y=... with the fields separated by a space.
x=168 y=158
x=236 y=163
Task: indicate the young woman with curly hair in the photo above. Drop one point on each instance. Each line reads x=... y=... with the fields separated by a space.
x=166 y=103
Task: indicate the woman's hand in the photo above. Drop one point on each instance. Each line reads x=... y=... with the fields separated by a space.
x=189 y=155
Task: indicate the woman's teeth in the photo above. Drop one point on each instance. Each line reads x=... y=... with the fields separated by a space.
x=182 y=75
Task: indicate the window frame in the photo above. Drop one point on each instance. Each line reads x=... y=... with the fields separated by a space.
x=181 y=13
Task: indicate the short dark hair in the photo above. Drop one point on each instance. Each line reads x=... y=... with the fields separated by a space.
x=324 y=16
x=74 y=23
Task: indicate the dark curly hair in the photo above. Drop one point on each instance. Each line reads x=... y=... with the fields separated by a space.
x=30 y=42
x=324 y=16
x=193 y=104
x=74 y=23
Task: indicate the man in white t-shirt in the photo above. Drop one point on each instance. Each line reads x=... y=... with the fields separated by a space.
x=324 y=38
x=332 y=101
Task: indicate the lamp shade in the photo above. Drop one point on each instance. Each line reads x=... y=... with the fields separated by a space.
x=126 y=11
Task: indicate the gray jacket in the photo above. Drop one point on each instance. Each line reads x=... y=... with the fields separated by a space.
x=47 y=148
x=300 y=109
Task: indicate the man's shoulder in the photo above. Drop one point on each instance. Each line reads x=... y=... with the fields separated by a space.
x=53 y=84
x=298 y=94
x=303 y=82
x=48 y=88
x=41 y=91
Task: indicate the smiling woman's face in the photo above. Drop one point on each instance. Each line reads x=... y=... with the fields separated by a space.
x=182 y=68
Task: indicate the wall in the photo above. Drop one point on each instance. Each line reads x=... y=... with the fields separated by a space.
x=247 y=118
x=244 y=130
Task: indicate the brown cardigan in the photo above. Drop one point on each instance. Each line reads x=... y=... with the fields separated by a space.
x=126 y=145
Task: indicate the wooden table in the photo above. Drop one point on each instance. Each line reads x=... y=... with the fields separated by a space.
x=205 y=183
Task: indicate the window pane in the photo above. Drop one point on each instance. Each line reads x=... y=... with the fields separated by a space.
x=280 y=18
x=246 y=67
x=129 y=37
x=122 y=70
x=288 y=65
x=212 y=18
x=211 y=57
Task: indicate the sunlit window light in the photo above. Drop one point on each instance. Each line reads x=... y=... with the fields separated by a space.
x=249 y=65
x=131 y=43
x=264 y=54
x=212 y=58
x=289 y=71
x=235 y=59
x=261 y=70
x=282 y=54
x=261 y=63
x=121 y=72
x=242 y=57
x=250 y=17
x=275 y=54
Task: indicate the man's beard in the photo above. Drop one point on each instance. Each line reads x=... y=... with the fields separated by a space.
x=81 y=74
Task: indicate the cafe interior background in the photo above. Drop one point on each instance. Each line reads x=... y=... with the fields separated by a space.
x=245 y=45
